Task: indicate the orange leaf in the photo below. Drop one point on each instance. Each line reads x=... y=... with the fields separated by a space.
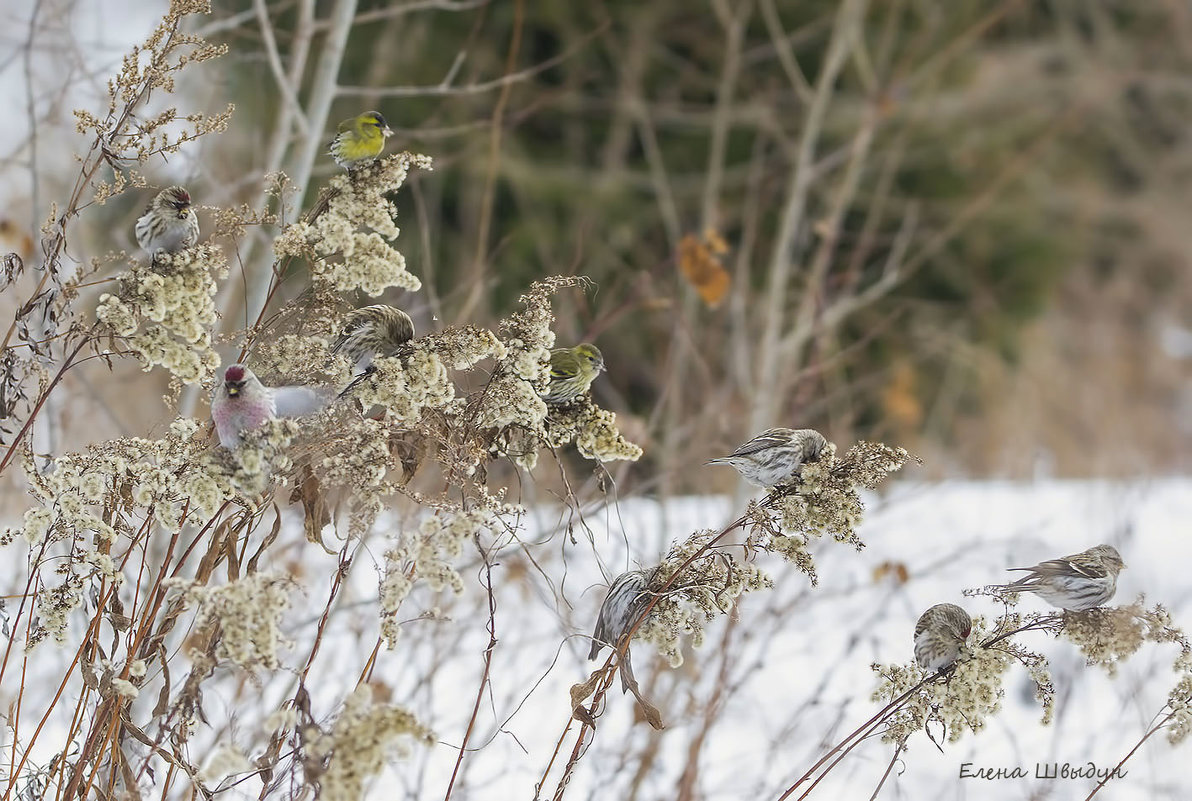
x=700 y=265
x=899 y=398
x=897 y=570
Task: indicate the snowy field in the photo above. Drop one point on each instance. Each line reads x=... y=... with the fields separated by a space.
x=794 y=670
x=764 y=697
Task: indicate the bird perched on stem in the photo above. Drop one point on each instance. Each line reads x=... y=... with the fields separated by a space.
x=626 y=599
x=241 y=403
x=939 y=635
x=169 y=224
x=360 y=140
x=372 y=331
x=572 y=371
x=775 y=455
x=1074 y=583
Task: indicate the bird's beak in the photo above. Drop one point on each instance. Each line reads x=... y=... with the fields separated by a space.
x=387 y=131
x=233 y=391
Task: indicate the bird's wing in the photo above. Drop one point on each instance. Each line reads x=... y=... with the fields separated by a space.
x=1067 y=566
x=766 y=439
x=299 y=401
x=352 y=324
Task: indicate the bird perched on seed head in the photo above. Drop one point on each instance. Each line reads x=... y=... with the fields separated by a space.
x=1074 y=583
x=370 y=332
x=169 y=224
x=939 y=634
x=775 y=455
x=360 y=140
x=626 y=600
x=241 y=403
x=572 y=371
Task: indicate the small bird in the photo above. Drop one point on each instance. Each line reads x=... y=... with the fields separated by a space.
x=372 y=331
x=1074 y=583
x=572 y=371
x=360 y=140
x=939 y=635
x=241 y=403
x=627 y=598
x=169 y=224
x=775 y=455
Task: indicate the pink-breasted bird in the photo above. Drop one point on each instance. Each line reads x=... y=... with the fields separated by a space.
x=241 y=403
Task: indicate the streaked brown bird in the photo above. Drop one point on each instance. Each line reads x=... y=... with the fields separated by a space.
x=1074 y=583
x=939 y=635
x=372 y=331
x=169 y=224
x=775 y=455
x=627 y=598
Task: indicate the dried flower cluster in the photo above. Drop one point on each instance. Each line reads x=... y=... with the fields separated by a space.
x=970 y=695
x=166 y=311
x=593 y=430
x=1108 y=635
x=149 y=68
x=427 y=553
x=825 y=500
x=964 y=697
x=245 y=616
x=358 y=745
x=707 y=587
x=512 y=407
x=340 y=253
x=91 y=500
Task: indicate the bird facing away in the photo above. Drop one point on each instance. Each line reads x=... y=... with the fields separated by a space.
x=241 y=403
x=169 y=224
x=626 y=600
x=775 y=455
x=572 y=371
x=1074 y=583
x=370 y=332
x=939 y=635
x=360 y=140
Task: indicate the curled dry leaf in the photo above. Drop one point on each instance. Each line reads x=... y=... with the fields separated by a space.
x=699 y=261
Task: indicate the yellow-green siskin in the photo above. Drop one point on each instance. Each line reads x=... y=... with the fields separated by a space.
x=360 y=140
x=572 y=371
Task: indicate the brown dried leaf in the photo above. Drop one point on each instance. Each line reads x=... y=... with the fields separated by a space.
x=649 y=713
x=700 y=264
x=582 y=692
x=899 y=399
x=895 y=569
x=314 y=507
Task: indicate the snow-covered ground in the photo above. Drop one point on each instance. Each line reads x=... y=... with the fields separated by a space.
x=799 y=676
x=786 y=680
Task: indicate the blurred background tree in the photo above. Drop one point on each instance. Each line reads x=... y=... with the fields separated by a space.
x=955 y=226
